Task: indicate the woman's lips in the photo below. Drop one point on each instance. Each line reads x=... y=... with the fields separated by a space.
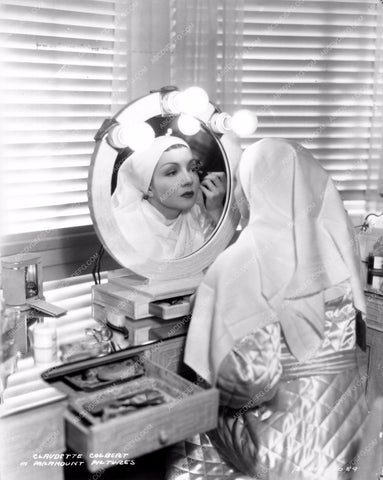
x=188 y=195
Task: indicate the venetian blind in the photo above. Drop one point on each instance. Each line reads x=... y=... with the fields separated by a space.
x=64 y=71
x=73 y=294
x=308 y=74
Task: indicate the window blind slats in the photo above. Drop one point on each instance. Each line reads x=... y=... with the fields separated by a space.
x=57 y=70
x=310 y=110
x=56 y=17
x=74 y=97
x=311 y=55
x=351 y=154
x=58 y=85
x=295 y=101
x=296 y=66
x=308 y=73
x=48 y=137
x=74 y=294
x=58 y=44
x=47 y=176
x=62 y=64
x=322 y=142
x=47 y=224
x=49 y=218
x=74 y=184
x=51 y=110
x=43 y=150
x=330 y=32
x=67 y=99
x=63 y=161
x=331 y=133
x=37 y=57
x=313 y=6
x=286 y=16
x=17 y=27
x=308 y=84
x=37 y=201
x=314 y=121
x=52 y=123
x=339 y=166
x=309 y=42
x=91 y=6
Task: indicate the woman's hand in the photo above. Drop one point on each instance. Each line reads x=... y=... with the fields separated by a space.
x=213 y=186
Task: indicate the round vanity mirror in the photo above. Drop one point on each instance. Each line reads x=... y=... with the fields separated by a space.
x=163 y=209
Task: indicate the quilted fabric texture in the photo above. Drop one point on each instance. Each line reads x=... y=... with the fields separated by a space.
x=276 y=427
x=295 y=436
x=197 y=459
x=250 y=375
x=311 y=428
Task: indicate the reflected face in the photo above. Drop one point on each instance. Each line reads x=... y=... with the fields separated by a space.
x=175 y=183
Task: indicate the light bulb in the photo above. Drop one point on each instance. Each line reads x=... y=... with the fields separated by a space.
x=140 y=136
x=244 y=122
x=170 y=102
x=220 y=122
x=137 y=136
x=188 y=124
x=192 y=101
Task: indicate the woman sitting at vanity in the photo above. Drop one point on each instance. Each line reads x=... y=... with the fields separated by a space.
x=158 y=201
x=274 y=329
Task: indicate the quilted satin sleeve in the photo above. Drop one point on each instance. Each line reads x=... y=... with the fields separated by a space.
x=249 y=374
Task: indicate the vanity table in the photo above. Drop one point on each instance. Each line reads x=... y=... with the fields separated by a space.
x=38 y=416
x=147 y=299
x=32 y=416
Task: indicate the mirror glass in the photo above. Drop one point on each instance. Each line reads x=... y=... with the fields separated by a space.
x=184 y=203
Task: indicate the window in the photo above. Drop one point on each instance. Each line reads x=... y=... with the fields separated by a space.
x=64 y=71
x=73 y=294
x=308 y=73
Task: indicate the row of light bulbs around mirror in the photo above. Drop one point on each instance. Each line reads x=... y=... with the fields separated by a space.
x=189 y=105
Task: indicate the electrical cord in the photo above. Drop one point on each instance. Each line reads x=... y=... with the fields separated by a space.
x=97 y=266
x=365 y=225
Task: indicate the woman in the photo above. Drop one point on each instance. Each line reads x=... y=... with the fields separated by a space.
x=158 y=200
x=274 y=328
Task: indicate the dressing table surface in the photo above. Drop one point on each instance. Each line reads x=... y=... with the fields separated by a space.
x=32 y=415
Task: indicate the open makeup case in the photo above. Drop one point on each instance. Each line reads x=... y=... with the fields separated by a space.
x=127 y=404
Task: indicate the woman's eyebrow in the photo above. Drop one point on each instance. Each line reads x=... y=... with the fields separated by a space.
x=165 y=165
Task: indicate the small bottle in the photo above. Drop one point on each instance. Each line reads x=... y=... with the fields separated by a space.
x=45 y=342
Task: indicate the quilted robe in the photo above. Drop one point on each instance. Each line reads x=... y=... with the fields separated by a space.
x=280 y=419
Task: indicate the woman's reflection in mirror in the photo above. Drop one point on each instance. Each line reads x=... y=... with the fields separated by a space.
x=159 y=204
x=175 y=185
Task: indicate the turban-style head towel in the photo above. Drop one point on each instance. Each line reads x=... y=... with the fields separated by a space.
x=298 y=243
x=146 y=229
x=135 y=174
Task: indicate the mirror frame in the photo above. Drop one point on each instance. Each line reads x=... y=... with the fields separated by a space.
x=100 y=200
